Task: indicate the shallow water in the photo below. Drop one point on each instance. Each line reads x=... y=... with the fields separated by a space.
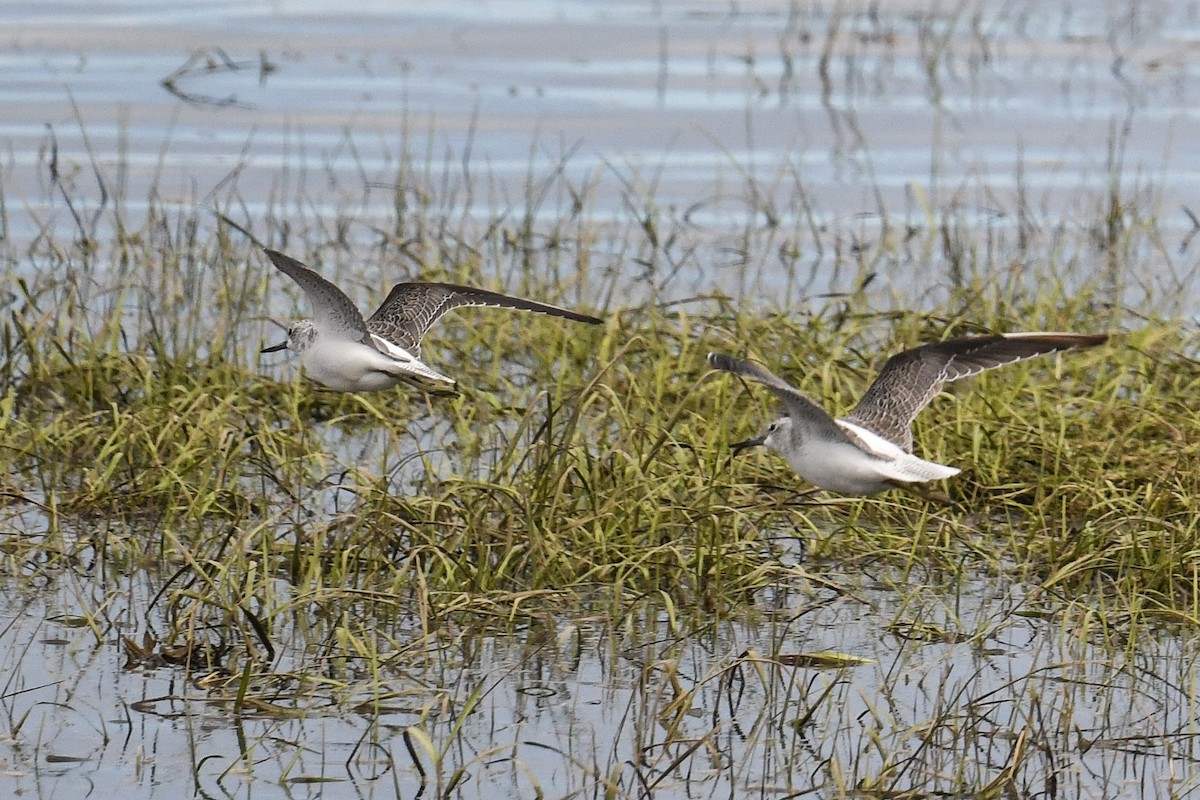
x=798 y=118
x=798 y=125
x=561 y=705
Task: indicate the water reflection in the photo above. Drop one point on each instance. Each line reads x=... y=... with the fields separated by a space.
x=700 y=102
x=961 y=685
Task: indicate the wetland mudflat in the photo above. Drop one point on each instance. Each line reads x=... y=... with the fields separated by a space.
x=220 y=580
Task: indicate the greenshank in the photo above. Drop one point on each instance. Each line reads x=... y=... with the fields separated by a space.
x=870 y=449
x=345 y=352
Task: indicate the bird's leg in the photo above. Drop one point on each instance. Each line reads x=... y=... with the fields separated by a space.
x=925 y=493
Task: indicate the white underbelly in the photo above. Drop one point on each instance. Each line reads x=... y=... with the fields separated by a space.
x=840 y=467
x=349 y=367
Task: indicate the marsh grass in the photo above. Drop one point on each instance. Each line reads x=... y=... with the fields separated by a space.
x=585 y=460
x=307 y=550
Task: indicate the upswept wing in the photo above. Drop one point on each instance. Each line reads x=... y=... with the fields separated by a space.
x=909 y=380
x=411 y=309
x=333 y=312
x=808 y=418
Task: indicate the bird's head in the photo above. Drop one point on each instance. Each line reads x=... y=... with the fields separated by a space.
x=299 y=338
x=772 y=438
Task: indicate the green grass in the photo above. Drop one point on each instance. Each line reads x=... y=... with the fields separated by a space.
x=579 y=467
x=581 y=460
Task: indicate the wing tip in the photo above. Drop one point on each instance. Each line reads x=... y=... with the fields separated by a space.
x=568 y=314
x=722 y=362
x=283 y=261
x=464 y=295
x=1068 y=339
x=748 y=369
x=423 y=379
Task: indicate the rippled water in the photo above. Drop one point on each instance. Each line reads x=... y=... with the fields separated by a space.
x=729 y=116
x=723 y=109
x=951 y=682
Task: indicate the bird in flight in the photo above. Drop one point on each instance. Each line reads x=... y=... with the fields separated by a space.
x=343 y=351
x=870 y=449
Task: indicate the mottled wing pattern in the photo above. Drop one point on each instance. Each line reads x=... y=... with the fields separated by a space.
x=333 y=312
x=411 y=309
x=808 y=418
x=909 y=380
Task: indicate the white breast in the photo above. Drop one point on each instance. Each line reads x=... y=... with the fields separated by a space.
x=350 y=366
x=848 y=469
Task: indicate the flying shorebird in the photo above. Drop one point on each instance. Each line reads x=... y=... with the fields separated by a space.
x=870 y=449
x=341 y=350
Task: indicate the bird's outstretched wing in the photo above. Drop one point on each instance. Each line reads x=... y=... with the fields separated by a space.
x=411 y=309
x=807 y=417
x=909 y=380
x=333 y=312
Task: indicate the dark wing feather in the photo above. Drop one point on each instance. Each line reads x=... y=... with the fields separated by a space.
x=909 y=380
x=333 y=312
x=808 y=418
x=411 y=309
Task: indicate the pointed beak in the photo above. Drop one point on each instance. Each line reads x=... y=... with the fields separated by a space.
x=738 y=447
x=276 y=348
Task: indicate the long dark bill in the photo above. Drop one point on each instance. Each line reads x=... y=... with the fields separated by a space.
x=276 y=348
x=738 y=447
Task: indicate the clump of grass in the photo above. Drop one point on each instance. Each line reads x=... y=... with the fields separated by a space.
x=577 y=465
x=598 y=461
